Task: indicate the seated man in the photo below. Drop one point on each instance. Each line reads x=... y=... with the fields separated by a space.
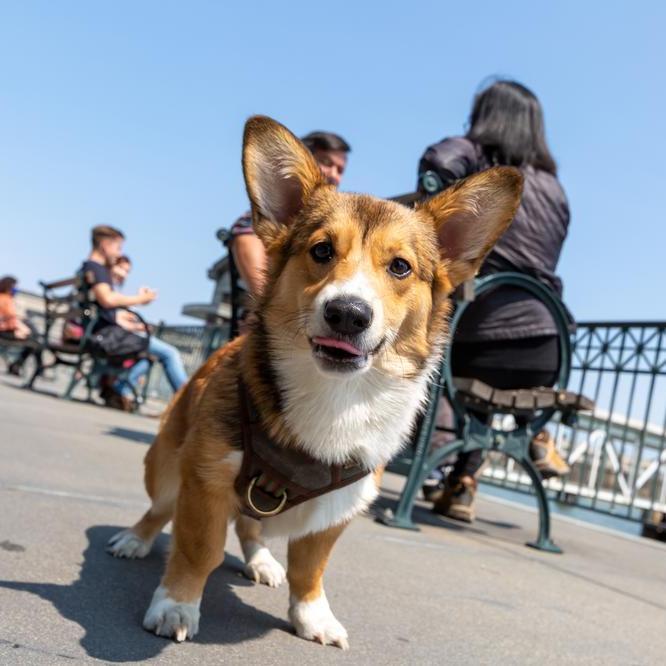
x=106 y=249
x=330 y=151
x=12 y=327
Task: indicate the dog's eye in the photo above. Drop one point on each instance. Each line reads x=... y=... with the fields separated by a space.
x=400 y=268
x=322 y=252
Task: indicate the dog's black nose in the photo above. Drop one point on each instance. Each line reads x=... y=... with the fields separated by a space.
x=349 y=316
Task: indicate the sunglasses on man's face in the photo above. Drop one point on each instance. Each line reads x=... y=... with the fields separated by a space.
x=14 y=291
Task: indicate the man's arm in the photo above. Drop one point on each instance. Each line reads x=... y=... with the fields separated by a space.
x=129 y=322
x=108 y=298
x=250 y=257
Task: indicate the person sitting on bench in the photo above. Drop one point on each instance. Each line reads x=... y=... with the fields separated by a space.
x=506 y=339
x=13 y=328
x=330 y=152
x=107 y=245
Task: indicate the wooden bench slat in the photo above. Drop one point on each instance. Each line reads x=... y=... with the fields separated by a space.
x=483 y=397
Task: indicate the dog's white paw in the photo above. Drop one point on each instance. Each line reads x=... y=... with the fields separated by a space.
x=127 y=544
x=314 y=621
x=170 y=618
x=262 y=567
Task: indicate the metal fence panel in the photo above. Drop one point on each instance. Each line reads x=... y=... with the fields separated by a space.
x=617 y=454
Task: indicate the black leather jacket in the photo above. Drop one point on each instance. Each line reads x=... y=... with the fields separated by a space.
x=532 y=245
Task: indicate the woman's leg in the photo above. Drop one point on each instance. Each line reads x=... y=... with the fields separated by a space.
x=510 y=364
x=467 y=464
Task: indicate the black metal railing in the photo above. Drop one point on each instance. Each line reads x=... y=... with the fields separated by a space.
x=193 y=343
x=617 y=454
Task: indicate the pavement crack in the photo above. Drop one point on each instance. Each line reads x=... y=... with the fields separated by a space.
x=38 y=650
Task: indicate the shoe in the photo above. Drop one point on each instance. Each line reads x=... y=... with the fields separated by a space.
x=15 y=368
x=433 y=490
x=118 y=401
x=545 y=457
x=457 y=500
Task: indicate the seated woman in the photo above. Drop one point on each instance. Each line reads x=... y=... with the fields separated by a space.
x=507 y=339
x=12 y=327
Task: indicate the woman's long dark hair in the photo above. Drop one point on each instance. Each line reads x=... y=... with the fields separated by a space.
x=507 y=122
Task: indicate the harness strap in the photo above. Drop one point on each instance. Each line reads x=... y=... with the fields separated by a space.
x=273 y=478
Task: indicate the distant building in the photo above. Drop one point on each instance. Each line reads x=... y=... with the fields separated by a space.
x=218 y=311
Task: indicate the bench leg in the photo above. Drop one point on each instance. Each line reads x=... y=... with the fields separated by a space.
x=39 y=368
x=417 y=471
x=417 y=476
x=543 y=542
x=77 y=375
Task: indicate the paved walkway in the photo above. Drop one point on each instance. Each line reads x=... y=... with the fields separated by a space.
x=70 y=476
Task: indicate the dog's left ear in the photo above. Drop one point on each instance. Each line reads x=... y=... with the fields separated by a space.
x=280 y=174
x=471 y=216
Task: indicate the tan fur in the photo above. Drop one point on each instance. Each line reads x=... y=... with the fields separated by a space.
x=190 y=468
x=307 y=560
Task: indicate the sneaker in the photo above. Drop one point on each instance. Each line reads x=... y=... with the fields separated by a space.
x=457 y=500
x=545 y=457
x=433 y=490
x=433 y=486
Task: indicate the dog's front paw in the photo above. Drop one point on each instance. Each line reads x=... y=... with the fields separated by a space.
x=314 y=621
x=127 y=544
x=170 y=618
x=262 y=567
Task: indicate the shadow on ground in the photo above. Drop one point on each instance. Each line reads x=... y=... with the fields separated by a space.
x=110 y=596
x=424 y=516
x=140 y=436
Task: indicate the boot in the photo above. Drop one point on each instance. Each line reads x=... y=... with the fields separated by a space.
x=457 y=500
x=545 y=457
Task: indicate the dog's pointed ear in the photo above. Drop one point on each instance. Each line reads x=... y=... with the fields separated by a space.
x=280 y=174
x=471 y=216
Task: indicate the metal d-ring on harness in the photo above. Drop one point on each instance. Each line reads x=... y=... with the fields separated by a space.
x=264 y=514
x=274 y=478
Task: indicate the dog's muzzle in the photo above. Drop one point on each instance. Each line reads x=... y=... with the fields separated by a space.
x=343 y=345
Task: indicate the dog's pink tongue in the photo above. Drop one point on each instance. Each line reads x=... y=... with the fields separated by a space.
x=338 y=344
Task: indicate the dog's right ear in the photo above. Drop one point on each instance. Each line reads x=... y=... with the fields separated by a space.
x=280 y=174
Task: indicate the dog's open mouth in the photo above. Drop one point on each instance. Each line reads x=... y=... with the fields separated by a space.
x=338 y=354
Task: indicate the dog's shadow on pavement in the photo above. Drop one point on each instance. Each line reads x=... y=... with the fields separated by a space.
x=110 y=596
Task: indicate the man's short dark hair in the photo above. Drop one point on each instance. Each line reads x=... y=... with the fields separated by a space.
x=102 y=232
x=325 y=141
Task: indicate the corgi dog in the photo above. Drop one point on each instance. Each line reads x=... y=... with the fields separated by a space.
x=348 y=331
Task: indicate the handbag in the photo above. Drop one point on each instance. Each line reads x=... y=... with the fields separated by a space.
x=115 y=341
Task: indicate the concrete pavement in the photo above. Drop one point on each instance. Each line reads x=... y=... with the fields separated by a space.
x=70 y=476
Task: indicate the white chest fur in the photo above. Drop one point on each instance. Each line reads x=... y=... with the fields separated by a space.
x=365 y=418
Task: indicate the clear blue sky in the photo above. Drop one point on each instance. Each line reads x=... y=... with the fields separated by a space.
x=131 y=113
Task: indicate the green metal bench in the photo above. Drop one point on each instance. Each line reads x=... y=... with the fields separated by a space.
x=71 y=299
x=467 y=397
x=11 y=348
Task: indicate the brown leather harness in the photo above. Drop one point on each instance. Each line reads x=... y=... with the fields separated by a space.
x=274 y=478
